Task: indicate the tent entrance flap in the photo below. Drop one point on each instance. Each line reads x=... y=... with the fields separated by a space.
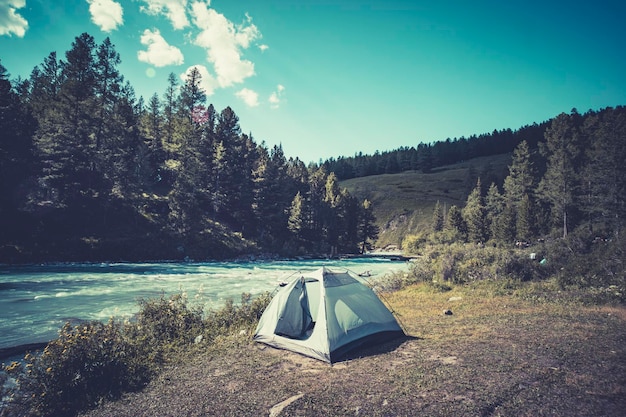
x=295 y=320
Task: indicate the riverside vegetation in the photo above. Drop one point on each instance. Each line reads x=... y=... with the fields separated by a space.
x=524 y=338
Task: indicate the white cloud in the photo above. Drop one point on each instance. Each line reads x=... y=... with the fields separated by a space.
x=107 y=14
x=159 y=52
x=175 y=10
x=276 y=96
x=208 y=83
x=263 y=47
x=250 y=97
x=223 y=42
x=10 y=21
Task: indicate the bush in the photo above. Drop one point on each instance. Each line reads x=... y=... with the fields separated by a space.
x=84 y=365
x=464 y=263
x=96 y=361
x=584 y=261
x=168 y=323
x=247 y=314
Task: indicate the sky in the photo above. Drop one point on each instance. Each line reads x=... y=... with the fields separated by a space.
x=329 y=78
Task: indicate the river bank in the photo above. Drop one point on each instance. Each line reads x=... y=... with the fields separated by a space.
x=36 y=300
x=519 y=351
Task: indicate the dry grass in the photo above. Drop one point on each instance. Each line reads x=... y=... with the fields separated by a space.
x=496 y=355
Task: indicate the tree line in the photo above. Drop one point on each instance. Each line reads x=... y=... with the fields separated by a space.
x=426 y=157
x=573 y=180
x=90 y=171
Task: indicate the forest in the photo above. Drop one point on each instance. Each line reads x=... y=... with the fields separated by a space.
x=572 y=180
x=89 y=171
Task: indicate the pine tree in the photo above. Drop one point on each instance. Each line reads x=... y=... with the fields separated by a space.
x=65 y=135
x=605 y=201
x=494 y=205
x=368 y=230
x=474 y=215
x=108 y=85
x=45 y=83
x=455 y=222
x=524 y=221
x=437 y=221
x=503 y=226
x=315 y=195
x=16 y=158
x=350 y=213
x=560 y=185
x=296 y=216
x=170 y=101
x=521 y=179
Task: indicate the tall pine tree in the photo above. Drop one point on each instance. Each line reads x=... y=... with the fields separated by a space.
x=560 y=184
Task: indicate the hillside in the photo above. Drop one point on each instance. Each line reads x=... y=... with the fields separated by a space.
x=403 y=203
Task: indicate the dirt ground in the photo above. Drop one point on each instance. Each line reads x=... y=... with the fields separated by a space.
x=494 y=356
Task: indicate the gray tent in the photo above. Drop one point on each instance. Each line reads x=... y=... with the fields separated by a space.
x=323 y=314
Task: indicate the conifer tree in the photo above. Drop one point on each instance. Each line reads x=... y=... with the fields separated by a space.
x=348 y=212
x=605 y=201
x=494 y=205
x=524 y=221
x=190 y=187
x=296 y=219
x=455 y=222
x=474 y=215
x=437 y=221
x=316 y=195
x=170 y=101
x=560 y=185
x=65 y=136
x=521 y=179
x=503 y=227
x=368 y=230
x=16 y=154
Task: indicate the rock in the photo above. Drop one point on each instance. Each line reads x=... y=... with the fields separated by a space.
x=447 y=312
x=455 y=298
x=198 y=339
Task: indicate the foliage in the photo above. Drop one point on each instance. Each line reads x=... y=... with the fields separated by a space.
x=92 y=362
x=585 y=261
x=86 y=364
x=97 y=150
x=425 y=157
x=463 y=263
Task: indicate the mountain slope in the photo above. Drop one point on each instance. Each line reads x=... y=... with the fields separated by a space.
x=403 y=203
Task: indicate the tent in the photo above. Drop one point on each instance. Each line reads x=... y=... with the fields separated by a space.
x=324 y=314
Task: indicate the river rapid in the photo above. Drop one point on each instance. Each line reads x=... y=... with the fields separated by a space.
x=37 y=300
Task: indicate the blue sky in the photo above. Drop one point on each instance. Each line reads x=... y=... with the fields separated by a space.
x=333 y=78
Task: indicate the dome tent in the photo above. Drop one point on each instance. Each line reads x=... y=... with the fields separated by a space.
x=324 y=314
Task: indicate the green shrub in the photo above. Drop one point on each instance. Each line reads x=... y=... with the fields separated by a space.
x=84 y=365
x=95 y=361
x=585 y=262
x=230 y=316
x=463 y=263
x=168 y=323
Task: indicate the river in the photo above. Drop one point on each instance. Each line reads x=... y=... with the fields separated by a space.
x=36 y=300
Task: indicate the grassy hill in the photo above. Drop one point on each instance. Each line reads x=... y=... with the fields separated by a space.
x=403 y=203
